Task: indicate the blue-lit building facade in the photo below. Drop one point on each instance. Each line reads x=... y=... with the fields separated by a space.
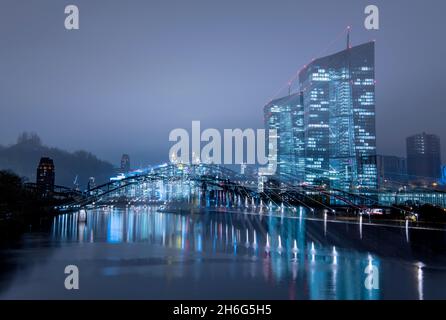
x=285 y=115
x=326 y=132
x=339 y=119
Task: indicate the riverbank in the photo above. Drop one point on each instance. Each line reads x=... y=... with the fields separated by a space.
x=14 y=225
x=316 y=215
x=21 y=209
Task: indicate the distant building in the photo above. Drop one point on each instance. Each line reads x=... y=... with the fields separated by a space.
x=249 y=171
x=392 y=171
x=125 y=163
x=91 y=183
x=423 y=158
x=242 y=168
x=45 y=175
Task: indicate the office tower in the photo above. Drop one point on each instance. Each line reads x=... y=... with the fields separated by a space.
x=286 y=116
x=423 y=158
x=339 y=119
x=392 y=171
x=125 y=163
x=45 y=175
x=91 y=183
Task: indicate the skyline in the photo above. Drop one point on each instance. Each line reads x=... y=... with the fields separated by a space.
x=221 y=151
x=108 y=80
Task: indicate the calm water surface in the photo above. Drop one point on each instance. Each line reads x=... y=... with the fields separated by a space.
x=139 y=253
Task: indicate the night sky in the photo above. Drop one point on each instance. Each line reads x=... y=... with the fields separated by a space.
x=138 y=69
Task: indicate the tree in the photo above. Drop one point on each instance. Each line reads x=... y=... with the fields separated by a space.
x=29 y=138
x=10 y=188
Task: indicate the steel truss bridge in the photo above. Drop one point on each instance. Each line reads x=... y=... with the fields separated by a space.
x=213 y=186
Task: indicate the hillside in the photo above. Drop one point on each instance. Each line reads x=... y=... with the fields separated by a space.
x=23 y=158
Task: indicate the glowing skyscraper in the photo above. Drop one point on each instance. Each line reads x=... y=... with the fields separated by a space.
x=339 y=119
x=286 y=116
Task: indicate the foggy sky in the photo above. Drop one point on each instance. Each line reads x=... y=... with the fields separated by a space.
x=138 y=69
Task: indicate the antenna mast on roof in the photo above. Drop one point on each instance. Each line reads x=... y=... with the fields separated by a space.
x=348 y=37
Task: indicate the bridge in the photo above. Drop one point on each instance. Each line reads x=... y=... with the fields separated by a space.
x=198 y=186
x=58 y=192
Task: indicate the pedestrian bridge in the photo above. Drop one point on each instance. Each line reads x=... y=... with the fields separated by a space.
x=204 y=185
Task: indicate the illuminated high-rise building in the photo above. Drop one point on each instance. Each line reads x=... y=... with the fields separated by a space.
x=286 y=116
x=45 y=175
x=339 y=119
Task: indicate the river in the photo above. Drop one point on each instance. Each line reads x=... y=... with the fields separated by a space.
x=140 y=253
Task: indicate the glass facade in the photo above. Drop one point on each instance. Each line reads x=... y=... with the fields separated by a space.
x=286 y=116
x=339 y=119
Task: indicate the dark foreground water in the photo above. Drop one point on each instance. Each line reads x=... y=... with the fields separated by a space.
x=142 y=254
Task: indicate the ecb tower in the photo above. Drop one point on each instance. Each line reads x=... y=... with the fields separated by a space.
x=339 y=119
x=333 y=119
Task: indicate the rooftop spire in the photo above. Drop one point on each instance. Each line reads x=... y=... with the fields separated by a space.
x=348 y=37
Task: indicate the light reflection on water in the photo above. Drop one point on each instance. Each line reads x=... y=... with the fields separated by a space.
x=141 y=253
x=285 y=249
